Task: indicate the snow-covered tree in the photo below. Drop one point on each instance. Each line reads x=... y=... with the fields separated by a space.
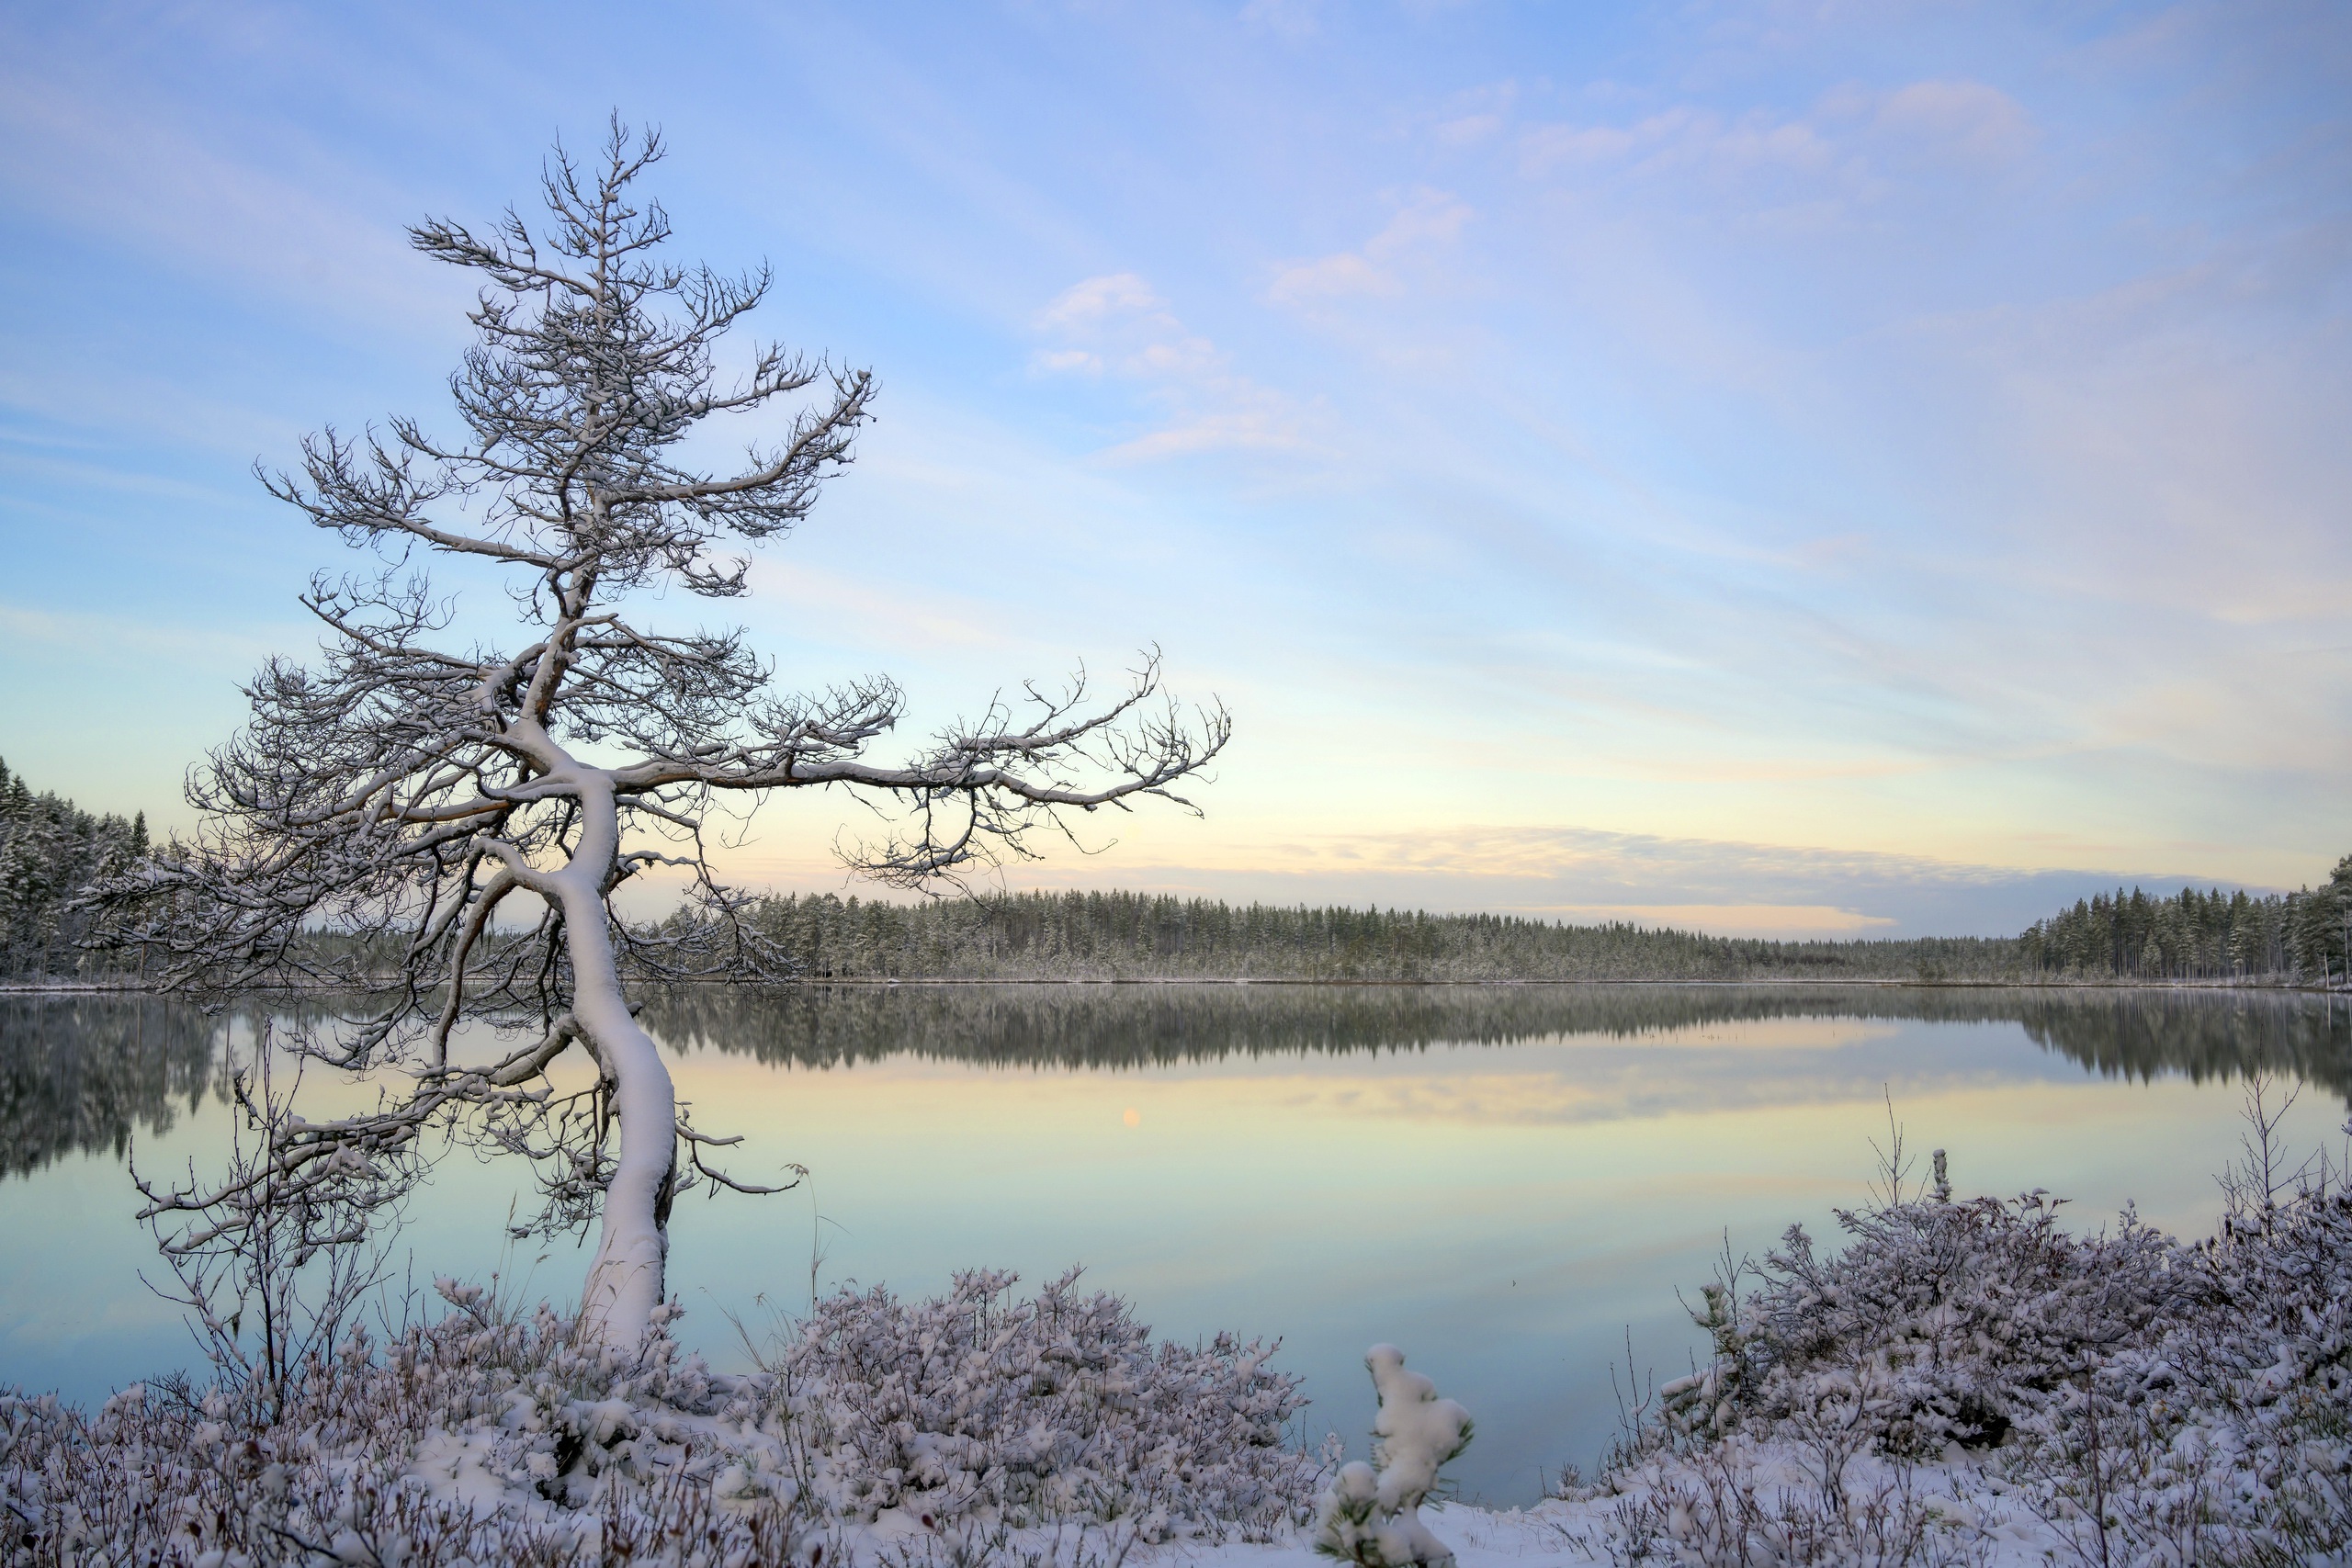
x=51 y=851
x=471 y=810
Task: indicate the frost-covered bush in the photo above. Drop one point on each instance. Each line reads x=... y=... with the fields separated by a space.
x=473 y=1440
x=1372 y=1514
x=1938 y=1323
x=1054 y=1408
x=2228 y=1432
x=484 y=1438
x=2131 y=1397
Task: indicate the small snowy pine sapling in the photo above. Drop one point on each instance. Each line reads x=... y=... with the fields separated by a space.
x=1373 y=1517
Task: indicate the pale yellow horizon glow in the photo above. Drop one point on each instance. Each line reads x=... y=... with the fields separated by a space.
x=1719 y=885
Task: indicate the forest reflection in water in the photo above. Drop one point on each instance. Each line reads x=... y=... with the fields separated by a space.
x=83 y=1072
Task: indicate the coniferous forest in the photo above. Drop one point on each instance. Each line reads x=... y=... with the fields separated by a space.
x=51 y=851
x=2293 y=938
x=2201 y=936
x=1109 y=936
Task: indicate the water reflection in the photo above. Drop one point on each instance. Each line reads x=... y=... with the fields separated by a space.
x=1510 y=1181
x=85 y=1073
x=2196 y=1035
x=2137 y=1034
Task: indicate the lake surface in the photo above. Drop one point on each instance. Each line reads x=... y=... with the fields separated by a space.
x=1510 y=1182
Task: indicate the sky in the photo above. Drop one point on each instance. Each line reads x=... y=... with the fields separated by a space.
x=1793 y=470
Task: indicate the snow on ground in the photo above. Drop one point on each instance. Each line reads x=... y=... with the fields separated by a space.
x=1964 y=1521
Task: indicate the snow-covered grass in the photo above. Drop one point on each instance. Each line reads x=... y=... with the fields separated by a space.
x=1962 y=1380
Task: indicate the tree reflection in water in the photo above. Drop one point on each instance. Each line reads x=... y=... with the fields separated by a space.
x=82 y=1074
x=2138 y=1033
x=85 y=1073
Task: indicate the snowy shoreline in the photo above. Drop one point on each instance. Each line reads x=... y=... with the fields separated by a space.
x=1965 y=1380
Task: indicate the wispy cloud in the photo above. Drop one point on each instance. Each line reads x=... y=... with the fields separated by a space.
x=1673 y=871
x=108 y=637
x=1117 y=324
x=1971 y=119
x=1427 y=221
x=1680 y=139
x=824 y=604
x=1287 y=18
x=1848 y=139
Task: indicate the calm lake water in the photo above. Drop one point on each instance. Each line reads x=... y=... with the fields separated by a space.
x=1510 y=1182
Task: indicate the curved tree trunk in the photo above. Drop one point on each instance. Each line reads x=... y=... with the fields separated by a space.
x=625 y=1283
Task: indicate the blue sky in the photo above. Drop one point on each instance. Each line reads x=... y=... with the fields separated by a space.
x=1869 y=468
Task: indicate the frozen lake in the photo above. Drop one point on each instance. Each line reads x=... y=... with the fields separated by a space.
x=1510 y=1182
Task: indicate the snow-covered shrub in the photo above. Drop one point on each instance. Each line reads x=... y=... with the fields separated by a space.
x=473 y=1440
x=1938 y=1323
x=485 y=1437
x=2227 y=1433
x=2131 y=1397
x=1371 y=1515
x=1059 y=1406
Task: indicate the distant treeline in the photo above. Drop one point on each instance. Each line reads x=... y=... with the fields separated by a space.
x=2291 y=938
x=1110 y=936
x=49 y=851
x=2298 y=936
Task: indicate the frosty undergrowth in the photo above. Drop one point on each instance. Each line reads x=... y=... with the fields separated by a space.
x=1961 y=1382
x=1059 y=1406
x=1966 y=1371
x=483 y=1438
